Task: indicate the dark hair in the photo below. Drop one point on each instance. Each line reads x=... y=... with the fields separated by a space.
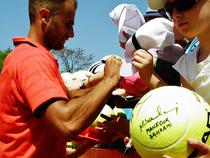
x=55 y=6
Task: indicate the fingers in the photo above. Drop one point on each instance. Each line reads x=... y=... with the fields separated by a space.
x=142 y=55
x=112 y=68
x=113 y=61
x=143 y=61
x=202 y=147
x=110 y=58
x=113 y=57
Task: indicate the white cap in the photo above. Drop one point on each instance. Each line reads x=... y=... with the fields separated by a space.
x=128 y=19
x=155 y=34
x=99 y=65
x=156 y=4
x=96 y=67
x=82 y=74
x=75 y=80
x=70 y=81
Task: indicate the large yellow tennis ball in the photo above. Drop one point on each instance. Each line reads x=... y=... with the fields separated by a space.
x=165 y=118
x=156 y=4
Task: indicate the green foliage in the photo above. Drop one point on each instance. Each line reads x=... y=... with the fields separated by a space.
x=71 y=60
x=3 y=54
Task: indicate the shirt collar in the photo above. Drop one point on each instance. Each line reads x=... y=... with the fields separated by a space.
x=19 y=40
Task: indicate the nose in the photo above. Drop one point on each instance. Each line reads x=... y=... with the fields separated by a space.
x=71 y=32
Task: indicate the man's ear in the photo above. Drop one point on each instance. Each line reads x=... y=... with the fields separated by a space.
x=44 y=15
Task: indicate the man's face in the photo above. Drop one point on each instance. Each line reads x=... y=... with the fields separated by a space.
x=60 y=27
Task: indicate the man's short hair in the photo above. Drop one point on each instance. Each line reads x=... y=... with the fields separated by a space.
x=55 y=6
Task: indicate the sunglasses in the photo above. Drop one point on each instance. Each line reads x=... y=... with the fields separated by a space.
x=179 y=5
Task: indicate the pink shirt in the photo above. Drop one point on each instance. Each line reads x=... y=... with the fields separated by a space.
x=134 y=85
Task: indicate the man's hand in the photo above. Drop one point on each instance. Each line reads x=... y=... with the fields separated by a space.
x=112 y=69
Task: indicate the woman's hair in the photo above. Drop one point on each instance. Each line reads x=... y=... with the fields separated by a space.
x=55 y=6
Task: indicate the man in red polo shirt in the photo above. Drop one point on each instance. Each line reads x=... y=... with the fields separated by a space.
x=36 y=115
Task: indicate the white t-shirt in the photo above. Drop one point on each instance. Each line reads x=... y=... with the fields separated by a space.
x=196 y=74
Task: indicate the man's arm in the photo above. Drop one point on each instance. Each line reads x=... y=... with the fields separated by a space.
x=72 y=117
x=78 y=92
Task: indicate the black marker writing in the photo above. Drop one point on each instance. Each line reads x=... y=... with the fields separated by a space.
x=160 y=112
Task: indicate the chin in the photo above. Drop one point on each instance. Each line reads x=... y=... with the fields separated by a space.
x=58 y=47
x=189 y=34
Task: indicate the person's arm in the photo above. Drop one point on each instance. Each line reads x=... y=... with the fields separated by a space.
x=78 y=92
x=70 y=118
x=143 y=61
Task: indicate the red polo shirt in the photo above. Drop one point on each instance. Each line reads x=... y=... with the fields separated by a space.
x=30 y=78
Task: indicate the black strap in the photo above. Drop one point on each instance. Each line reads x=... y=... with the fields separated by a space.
x=135 y=42
x=94 y=67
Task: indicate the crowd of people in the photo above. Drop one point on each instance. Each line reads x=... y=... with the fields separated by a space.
x=38 y=107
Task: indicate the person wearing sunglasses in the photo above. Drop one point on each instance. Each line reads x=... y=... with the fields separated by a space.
x=191 y=18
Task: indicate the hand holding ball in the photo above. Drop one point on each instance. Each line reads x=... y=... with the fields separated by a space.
x=165 y=118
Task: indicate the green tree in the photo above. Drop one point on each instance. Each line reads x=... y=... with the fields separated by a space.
x=72 y=60
x=3 y=54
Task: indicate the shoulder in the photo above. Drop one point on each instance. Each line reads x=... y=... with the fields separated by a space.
x=26 y=54
x=188 y=58
x=187 y=64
